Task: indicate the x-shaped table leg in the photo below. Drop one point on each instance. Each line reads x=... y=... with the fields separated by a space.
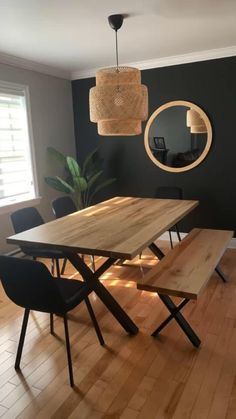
x=175 y=314
x=101 y=291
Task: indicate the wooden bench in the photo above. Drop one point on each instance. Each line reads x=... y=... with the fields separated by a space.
x=185 y=271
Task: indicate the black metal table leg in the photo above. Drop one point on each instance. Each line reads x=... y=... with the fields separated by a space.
x=157 y=252
x=221 y=274
x=102 y=292
x=174 y=310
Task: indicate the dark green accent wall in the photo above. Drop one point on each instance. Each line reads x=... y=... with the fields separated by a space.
x=212 y=86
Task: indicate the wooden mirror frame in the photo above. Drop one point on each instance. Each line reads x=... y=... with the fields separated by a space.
x=208 y=142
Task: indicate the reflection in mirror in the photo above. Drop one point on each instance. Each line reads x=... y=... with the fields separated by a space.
x=178 y=135
x=172 y=142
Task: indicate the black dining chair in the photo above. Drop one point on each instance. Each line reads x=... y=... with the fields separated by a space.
x=170 y=192
x=62 y=206
x=25 y=219
x=30 y=285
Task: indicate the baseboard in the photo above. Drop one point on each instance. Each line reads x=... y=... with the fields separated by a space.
x=14 y=252
x=165 y=236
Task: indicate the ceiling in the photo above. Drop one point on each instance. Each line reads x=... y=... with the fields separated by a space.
x=74 y=37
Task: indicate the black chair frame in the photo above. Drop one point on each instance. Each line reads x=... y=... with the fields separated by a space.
x=30 y=285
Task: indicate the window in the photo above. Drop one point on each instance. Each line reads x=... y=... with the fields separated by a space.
x=17 y=177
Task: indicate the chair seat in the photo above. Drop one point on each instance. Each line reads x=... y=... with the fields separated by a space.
x=72 y=291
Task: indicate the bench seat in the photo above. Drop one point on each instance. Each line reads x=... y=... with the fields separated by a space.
x=186 y=269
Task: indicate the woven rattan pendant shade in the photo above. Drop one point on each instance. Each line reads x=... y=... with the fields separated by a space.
x=193 y=118
x=195 y=122
x=118 y=102
x=198 y=129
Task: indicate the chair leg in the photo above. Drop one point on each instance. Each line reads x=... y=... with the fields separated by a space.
x=51 y=324
x=58 y=272
x=63 y=266
x=68 y=351
x=52 y=266
x=94 y=321
x=171 y=242
x=22 y=338
x=93 y=263
x=177 y=232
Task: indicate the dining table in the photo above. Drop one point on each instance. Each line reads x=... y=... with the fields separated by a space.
x=118 y=228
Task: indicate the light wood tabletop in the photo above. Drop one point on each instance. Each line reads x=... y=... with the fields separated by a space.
x=120 y=227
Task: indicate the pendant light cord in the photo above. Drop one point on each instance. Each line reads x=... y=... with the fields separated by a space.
x=117 y=63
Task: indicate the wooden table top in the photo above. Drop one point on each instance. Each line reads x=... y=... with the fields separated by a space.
x=120 y=227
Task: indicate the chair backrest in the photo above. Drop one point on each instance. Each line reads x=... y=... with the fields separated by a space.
x=29 y=284
x=169 y=192
x=63 y=206
x=26 y=218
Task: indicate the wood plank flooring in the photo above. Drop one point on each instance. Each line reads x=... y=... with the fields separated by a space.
x=131 y=377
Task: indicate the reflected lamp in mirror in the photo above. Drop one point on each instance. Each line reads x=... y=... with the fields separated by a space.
x=195 y=122
x=185 y=131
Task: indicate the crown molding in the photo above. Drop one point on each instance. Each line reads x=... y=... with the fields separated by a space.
x=14 y=61
x=191 y=57
x=142 y=65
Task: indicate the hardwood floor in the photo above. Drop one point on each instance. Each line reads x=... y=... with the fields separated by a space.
x=131 y=377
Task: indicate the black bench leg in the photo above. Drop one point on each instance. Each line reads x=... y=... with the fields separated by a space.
x=221 y=274
x=170 y=317
x=175 y=313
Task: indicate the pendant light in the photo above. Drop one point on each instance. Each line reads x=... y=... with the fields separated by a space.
x=119 y=102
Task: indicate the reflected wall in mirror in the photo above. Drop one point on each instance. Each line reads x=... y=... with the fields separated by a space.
x=178 y=136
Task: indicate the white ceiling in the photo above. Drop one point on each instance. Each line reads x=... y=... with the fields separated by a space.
x=74 y=36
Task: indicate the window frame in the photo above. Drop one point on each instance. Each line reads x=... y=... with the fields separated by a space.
x=11 y=204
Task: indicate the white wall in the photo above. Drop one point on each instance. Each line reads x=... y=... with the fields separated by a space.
x=52 y=120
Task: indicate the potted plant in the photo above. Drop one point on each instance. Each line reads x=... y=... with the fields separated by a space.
x=84 y=182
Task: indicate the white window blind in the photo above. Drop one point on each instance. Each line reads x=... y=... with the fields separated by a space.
x=16 y=174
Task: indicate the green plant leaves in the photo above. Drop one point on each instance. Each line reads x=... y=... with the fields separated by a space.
x=94 y=178
x=80 y=183
x=59 y=184
x=88 y=161
x=83 y=184
x=73 y=167
x=57 y=155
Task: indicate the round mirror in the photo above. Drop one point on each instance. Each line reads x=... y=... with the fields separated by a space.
x=178 y=136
